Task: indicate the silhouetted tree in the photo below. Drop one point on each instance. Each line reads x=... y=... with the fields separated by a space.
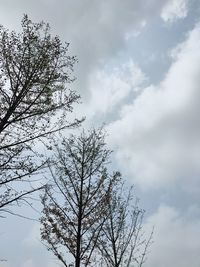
x=121 y=242
x=35 y=70
x=75 y=205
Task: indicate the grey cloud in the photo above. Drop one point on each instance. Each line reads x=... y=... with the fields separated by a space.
x=95 y=29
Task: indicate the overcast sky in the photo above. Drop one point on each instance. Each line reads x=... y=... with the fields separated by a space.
x=139 y=73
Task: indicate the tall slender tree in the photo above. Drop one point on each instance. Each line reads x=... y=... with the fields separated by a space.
x=121 y=242
x=35 y=71
x=75 y=205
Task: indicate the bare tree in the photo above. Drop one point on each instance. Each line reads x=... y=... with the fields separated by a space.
x=75 y=206
x=35 y=70
x=121 y=242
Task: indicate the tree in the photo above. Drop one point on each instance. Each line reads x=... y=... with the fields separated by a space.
x=121 y=242
x=90 y=218
x=75 y=205
x=35 y=69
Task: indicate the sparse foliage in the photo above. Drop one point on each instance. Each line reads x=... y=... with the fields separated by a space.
x=90 y=218
x=35 y=70
x=121 y=242
x=75 y=206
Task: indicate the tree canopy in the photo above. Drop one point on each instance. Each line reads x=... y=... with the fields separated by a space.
x=35 y=100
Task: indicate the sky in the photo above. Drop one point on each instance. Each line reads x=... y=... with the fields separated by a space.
x=139 y=74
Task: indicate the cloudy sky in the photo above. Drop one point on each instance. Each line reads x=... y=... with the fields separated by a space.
x=139 y=73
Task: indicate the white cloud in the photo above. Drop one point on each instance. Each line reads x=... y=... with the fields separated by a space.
x=111 y=86
x=176 y=238
x=157 y=136
x=175 y=9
